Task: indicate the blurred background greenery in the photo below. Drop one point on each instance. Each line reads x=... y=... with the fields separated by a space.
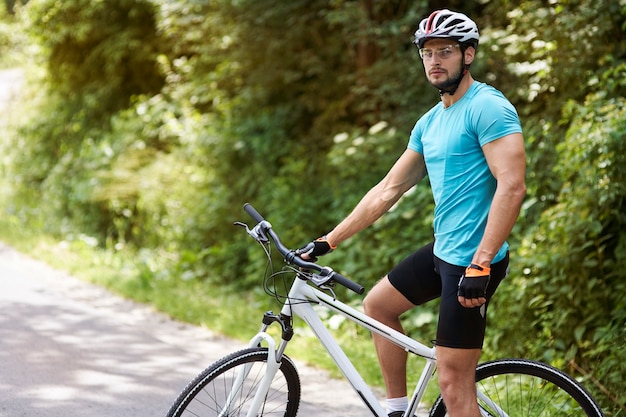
x=144 y=125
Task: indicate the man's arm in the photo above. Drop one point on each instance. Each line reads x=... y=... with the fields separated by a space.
x=507 y=161
x=408 y=170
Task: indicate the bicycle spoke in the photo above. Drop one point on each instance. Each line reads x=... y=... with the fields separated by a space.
x=228 y=388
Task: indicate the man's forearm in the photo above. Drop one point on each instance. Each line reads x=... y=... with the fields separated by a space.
x=371 y=207
x=408 y=170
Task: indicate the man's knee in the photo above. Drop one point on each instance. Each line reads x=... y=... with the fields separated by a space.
x=456 y=369
x=385 y=302
x=454 y=382
x=371 y=303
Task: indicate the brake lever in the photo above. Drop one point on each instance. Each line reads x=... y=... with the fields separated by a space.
x=257 y=232
x=324 y=281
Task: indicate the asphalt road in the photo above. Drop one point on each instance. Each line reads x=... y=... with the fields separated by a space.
x=69 y=348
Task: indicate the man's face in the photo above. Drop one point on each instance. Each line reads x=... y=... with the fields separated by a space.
x=443 y=61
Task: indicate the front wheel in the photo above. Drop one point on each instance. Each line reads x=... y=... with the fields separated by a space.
x=215 y=391
x=519 y=387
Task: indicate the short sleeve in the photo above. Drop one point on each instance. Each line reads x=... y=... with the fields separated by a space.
x=493 y=116
x=415 y=140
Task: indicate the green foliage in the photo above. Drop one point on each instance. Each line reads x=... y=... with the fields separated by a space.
x=151 y=122
x=580 y=284
x=11 y=39
x=98 y=56
x=105 y=50
x=554 y=52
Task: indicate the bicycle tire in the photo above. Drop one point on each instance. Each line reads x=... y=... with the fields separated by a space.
x=206 y=395
x=528 y=388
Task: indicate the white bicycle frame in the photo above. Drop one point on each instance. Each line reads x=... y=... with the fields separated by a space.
x=299 y=302
x=300 y=291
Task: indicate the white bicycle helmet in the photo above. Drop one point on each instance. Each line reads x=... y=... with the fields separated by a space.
x=447 y=24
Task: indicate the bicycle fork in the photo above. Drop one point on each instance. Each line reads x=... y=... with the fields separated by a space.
x=491 y=404
x=274 y=356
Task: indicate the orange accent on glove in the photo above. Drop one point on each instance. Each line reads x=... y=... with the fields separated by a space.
x=324 y=239
x=476 y=270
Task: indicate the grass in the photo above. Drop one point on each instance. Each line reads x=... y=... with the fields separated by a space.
x=129 y=275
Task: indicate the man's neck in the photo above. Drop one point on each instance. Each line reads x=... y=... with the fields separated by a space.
x=448 y=100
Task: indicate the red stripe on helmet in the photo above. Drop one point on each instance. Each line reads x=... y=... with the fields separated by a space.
x=429 y=24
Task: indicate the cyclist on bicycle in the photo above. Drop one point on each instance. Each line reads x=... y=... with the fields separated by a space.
x=471 y=146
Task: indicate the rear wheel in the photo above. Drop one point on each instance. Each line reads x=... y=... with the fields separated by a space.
x=211 y=393
x=519 y=387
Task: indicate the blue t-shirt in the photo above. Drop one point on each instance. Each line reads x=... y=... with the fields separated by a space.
x=451 y=141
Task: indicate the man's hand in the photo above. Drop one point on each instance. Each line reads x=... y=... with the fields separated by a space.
x=316 y=248
x=473 y=286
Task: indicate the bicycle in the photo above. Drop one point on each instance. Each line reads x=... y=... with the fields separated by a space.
x=261 y=380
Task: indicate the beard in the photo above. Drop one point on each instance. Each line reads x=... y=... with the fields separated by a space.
x=452 y=82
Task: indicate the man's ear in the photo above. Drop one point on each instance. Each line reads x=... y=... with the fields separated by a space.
x=470 y=52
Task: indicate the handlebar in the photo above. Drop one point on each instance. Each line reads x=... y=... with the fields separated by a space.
x=290 y=255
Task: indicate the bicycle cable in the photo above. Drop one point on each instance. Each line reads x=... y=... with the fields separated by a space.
x=272 y=278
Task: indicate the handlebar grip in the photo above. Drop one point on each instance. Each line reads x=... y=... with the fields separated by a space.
x=253 y=213
x=349 y=284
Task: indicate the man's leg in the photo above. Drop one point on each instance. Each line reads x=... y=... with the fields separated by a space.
x=460 y=334
x=456 y=369
x=385 y=304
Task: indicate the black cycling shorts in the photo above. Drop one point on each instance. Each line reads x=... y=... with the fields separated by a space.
x=422 y=277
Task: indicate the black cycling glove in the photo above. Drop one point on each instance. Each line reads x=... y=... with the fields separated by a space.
x=473 y=283
x=316 y=248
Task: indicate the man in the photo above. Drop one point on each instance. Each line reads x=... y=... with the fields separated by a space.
x=471 y=146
